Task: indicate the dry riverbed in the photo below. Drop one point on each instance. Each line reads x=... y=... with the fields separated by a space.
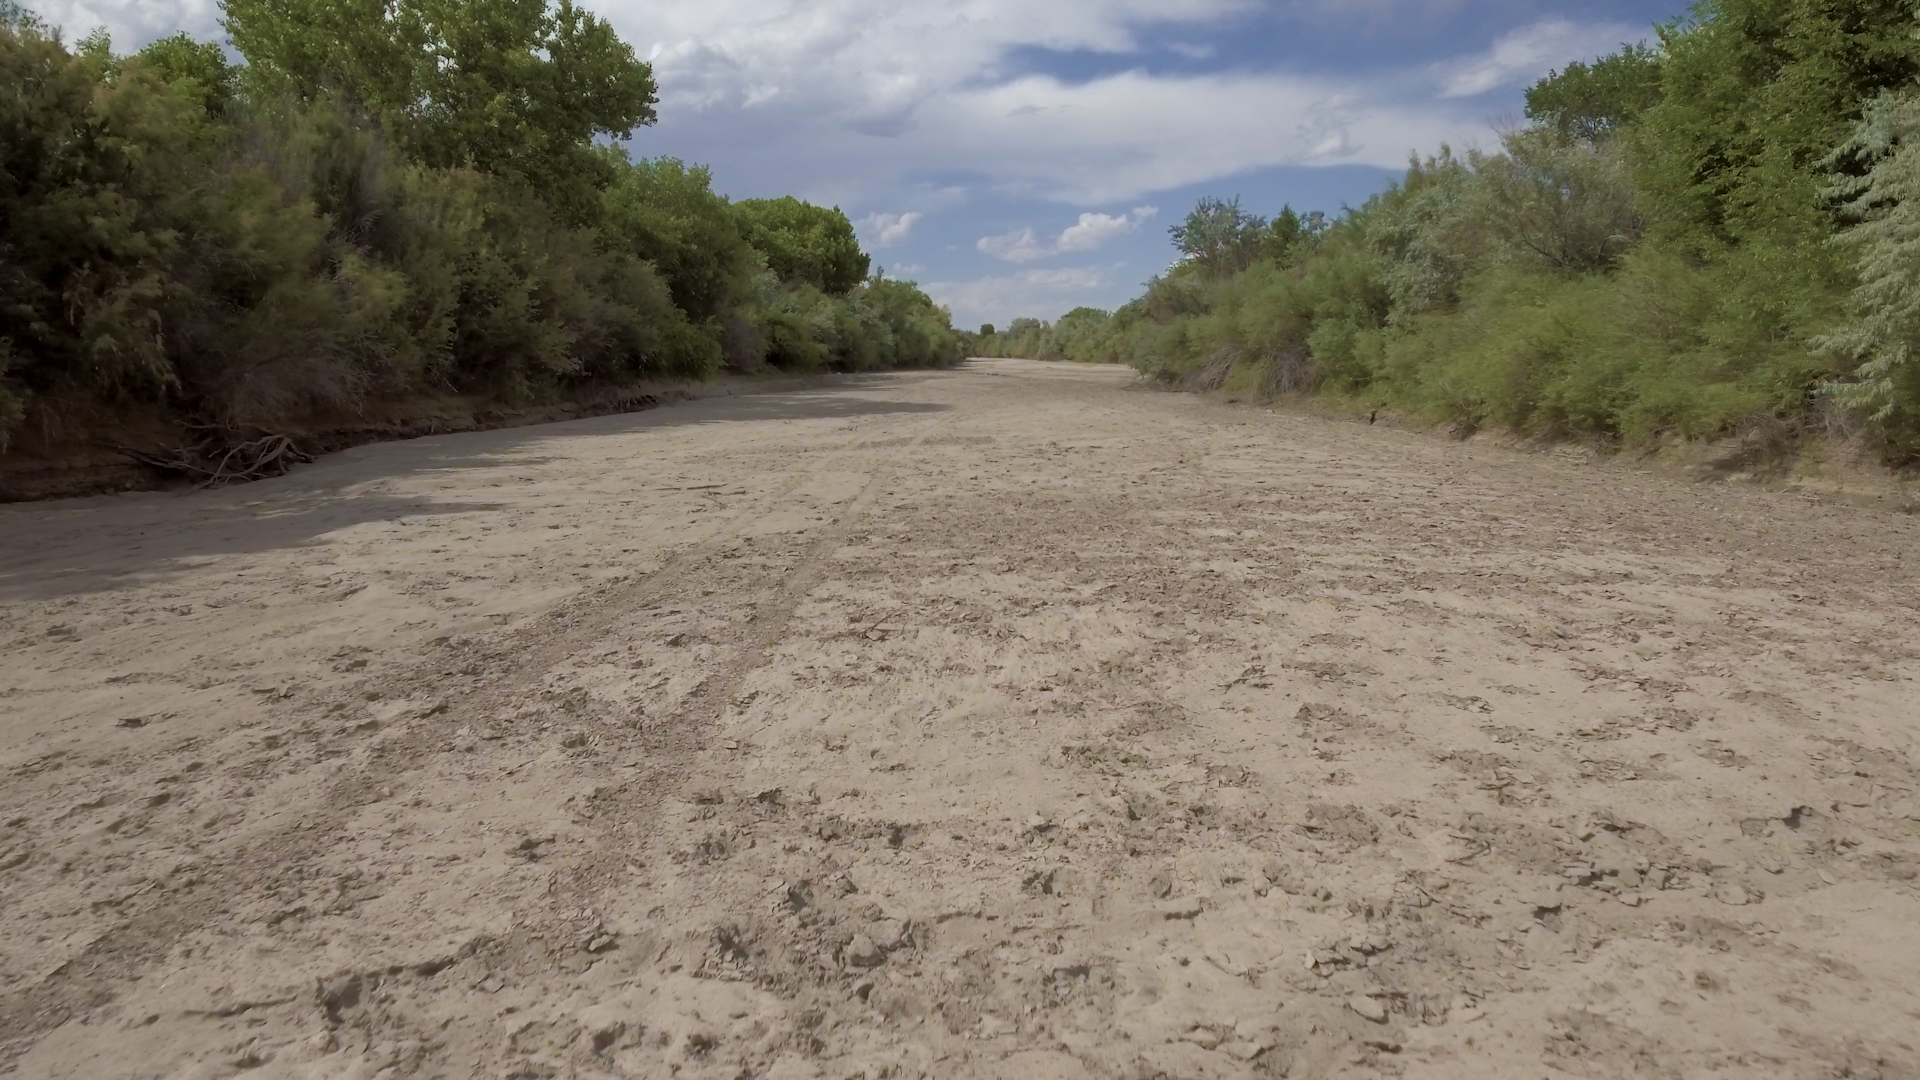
x=1006 y=722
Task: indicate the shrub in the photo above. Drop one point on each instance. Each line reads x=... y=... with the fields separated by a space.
x=387 y=201
x=1698 y=238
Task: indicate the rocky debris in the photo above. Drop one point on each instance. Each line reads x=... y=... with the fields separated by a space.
x=1368 y=1008
x=1731 y=893
x=530 y=848
x=1369 y=944
x=1161 y=884
x=1060 y=881
x=1350 y=824
x=864 y=952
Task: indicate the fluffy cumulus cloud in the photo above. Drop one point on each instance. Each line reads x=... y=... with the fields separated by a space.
x=1020 y=245
x=853 y=101
x=1093 y=231
x=888 y=230
x=859 y=96
x=1090 y=233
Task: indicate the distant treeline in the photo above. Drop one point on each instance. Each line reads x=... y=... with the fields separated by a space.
x=1715 y=230
x=388 y=198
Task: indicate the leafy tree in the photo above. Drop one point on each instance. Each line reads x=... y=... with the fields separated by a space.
x=517 y=88
x=1430 y=233
x=1756 y=93
x=986 y=330
x=1878 y=341
x=198 y=67
x=1589 y=102
x=89 y=171
x=394 y=198
x=804 y=242
x=1291 y=235
x=1219 y=237
x=1564 y=204
x=667 y=213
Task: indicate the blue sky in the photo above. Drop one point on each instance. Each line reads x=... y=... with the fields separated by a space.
x=1027 y=156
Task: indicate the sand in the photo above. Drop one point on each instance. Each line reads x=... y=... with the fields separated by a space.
x=1005 y=722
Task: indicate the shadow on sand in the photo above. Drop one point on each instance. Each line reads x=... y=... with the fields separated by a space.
x=60 y=548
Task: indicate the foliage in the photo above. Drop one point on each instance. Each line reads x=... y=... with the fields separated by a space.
x=1589 y=102
x=1687 y=237
x=1877 y=342
x=1219 y=237
x=516 y=88
x=803 y=242
x=667 y=213
x=1756 y=94
x=198 y=68
x=1292 y=236
x=89 y=188
x=386 y=202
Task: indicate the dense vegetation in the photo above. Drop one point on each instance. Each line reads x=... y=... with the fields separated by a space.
x=389 y=198
x=1691 y=238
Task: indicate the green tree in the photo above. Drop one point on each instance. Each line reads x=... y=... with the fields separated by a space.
x=667 y=212
x=198 y=67
x=1291 y=235
x=92 y=162
x=804 y=242
x=1219 y=237
x=1879 y=339
x=1589 y=102
x=520 y=89
x=1756 y=94
x=1568 y=205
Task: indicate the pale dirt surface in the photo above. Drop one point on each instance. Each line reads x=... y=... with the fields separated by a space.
x=1005 y=722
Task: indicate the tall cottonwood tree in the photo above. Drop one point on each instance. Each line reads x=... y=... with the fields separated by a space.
x=520 y=89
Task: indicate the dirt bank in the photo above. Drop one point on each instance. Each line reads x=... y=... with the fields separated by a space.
x=119 y=454
x=994 y=723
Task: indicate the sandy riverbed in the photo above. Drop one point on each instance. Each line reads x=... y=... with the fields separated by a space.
x=1006 y=722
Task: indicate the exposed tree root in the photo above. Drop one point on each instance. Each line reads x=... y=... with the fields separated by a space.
x=215 y=462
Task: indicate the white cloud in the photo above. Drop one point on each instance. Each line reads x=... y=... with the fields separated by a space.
x=130 y=23
x=1090 y=233
x=1125 y=135
x=863 y=103
x=888 y=230
x=1040 y=293
x=849 y=101
x=1020 y=245
x=1528 y=53
x=1094 y=230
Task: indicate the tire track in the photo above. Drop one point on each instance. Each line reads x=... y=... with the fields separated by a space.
x=89 y=980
